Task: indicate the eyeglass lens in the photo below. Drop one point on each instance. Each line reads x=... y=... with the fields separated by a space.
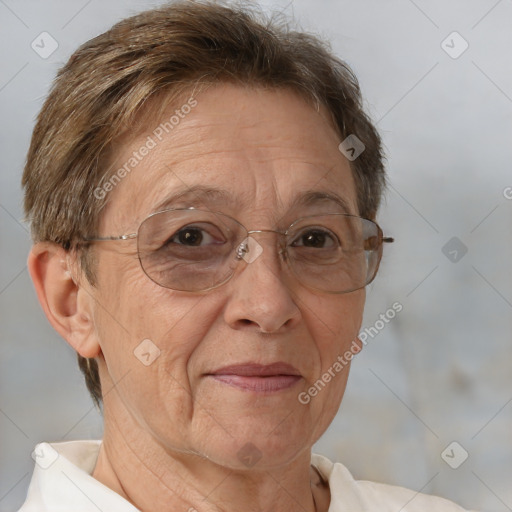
x=195 y=250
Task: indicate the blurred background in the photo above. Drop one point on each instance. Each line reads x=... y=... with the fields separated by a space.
x=429 y=401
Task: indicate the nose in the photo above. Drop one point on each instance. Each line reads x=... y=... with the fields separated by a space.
x=261 y=296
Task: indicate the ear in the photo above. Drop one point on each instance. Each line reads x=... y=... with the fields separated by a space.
x=67 y=305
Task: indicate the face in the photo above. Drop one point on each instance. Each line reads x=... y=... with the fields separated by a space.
x=264 y=150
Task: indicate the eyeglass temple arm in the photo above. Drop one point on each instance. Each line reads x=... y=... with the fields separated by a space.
x=388 y=239
x=110 y=238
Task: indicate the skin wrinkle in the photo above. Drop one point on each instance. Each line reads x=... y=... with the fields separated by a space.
x=231 y=206
x=192 y=128
x=167 y=411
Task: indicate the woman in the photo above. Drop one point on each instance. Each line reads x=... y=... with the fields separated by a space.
x=202 y=187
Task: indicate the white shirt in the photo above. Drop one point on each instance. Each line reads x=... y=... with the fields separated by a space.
x=62 y=482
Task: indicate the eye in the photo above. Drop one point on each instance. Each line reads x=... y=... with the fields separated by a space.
x=316 y=238
x=194 y=236
x=189 y=236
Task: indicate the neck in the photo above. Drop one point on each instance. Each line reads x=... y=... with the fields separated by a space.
x=158 y=478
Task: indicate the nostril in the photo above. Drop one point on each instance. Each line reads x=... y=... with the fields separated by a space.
x=245 y=321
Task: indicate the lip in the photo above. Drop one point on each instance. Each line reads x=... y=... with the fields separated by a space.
x=258 y=370
x=258 y=378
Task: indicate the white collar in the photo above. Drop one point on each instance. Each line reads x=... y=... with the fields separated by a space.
x=62 y=482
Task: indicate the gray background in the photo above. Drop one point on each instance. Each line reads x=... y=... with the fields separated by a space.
x=440 y=371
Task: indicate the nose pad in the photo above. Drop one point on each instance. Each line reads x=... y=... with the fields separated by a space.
x=249 y=250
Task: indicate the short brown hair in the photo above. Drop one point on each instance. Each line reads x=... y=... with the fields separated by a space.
x=108 y=83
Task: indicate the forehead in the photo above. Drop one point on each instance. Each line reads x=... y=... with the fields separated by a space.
x=235 y=148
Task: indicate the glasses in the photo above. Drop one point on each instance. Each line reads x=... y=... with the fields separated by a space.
x=194 y=250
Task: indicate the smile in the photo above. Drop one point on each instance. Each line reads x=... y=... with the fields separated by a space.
x=258 y=378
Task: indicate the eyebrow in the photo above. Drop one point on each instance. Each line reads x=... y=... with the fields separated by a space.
x=314 y=197
x=197 y=192
x=222 y=197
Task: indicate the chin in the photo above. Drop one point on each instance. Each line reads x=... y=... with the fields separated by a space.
x=256 y=446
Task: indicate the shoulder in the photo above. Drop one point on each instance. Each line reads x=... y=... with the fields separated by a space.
x=360 y=495
x=62 y=480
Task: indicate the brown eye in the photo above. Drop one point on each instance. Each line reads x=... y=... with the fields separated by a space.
x=190 y=236
x=315 y=238
x=196 y=236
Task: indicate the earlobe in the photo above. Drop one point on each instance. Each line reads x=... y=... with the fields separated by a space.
x=61 y=297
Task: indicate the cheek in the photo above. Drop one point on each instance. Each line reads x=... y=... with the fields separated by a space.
x=149 y=331
x=138 y=321
x=336 y=320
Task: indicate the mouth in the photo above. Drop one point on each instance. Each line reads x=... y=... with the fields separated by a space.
x=258 y=378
